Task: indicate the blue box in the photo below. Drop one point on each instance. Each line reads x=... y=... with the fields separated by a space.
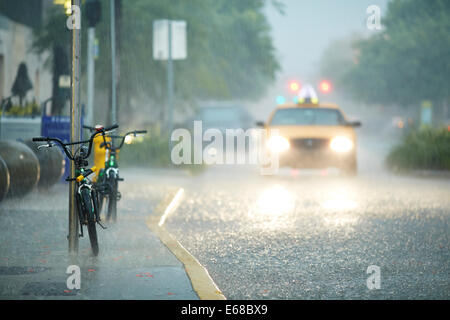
x=59 y=127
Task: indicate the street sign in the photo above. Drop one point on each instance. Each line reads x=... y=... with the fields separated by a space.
x=161 y=39
x=426 y=113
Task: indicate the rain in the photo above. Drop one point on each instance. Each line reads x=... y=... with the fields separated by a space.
x=224 y=149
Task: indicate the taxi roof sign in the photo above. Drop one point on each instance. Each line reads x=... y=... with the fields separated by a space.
x=308 y=95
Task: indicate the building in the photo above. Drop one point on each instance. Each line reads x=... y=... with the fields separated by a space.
x=18 y=18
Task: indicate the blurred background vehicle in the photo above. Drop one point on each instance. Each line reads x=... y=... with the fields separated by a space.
x=313 y=135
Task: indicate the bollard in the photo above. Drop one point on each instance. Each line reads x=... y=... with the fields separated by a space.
x=51 y=162
x=23 y=166
x=4 y=179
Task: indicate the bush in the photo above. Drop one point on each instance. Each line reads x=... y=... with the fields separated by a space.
x=422 y=149
x=152 y=150
x=30 y=109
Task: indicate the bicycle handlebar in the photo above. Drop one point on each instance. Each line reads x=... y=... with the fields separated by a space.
x=108 y=145
x=64 y=145
x=39 y=139
x=92 y=129
x=114 y=126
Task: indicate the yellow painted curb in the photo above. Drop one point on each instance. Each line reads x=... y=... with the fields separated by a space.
x=201 y=281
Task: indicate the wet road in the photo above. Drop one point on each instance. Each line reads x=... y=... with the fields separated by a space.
x=313 y=235
x=297 y=235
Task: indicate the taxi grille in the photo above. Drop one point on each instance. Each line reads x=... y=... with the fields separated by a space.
x=310 y=143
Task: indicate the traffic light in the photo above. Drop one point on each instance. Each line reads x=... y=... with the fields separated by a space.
x=281 y=100
x=294 y=86
x=93 y=12
x=325 y=86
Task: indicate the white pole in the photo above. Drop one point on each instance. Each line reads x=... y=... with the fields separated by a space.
x=113 y=63
x=170 y=79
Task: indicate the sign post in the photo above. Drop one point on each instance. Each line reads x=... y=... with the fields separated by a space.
x=170 y=78
x=169 y=43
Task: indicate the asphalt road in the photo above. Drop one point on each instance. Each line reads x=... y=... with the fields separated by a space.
x=297 y=235
x=313 y=234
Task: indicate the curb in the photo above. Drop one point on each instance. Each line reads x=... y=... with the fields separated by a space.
x=201 y=281
x=439 y=174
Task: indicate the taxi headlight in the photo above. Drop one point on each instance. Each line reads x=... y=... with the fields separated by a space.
x=278 y=144
x=341 y=144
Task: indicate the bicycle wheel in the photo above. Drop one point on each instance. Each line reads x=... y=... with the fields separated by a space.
x=112 y=198
x=90 y=214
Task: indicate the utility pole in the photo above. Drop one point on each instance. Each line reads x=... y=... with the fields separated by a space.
x=75 y=123
x=113 y=63
x=93 y=12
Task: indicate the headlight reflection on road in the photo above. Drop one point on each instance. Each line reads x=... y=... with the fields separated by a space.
x=339 y=220
x=339 y=204
x=338 y=209
x=275 y=201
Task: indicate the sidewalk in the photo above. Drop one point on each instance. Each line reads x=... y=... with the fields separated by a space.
x=132 y=264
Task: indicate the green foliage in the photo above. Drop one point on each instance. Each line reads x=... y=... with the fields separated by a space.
x=53 y=33
x=405 y=63
x=422 y=149
x=29 y=109
x=337 y=59
x=22 y=83
x=230 y=51
x=152 y=151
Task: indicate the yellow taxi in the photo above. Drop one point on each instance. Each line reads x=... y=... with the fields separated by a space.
x=313 y=135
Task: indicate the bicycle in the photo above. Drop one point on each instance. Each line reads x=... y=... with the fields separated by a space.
x=108 y=178
x=86 y=196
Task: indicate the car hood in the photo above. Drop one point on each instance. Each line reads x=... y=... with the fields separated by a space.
x=318 y=132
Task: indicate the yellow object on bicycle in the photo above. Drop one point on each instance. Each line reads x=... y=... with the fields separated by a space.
x=100 y=153
x=81 y=176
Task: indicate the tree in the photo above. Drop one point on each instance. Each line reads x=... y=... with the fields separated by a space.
x=53 y=36
x=230 y=51
x=22 y=83
x=408 y=61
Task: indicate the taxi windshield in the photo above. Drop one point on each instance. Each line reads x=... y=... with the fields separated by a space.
x=307 y=117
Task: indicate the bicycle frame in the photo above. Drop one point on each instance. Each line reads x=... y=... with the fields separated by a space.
x=111 y=163
x=81 y=173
